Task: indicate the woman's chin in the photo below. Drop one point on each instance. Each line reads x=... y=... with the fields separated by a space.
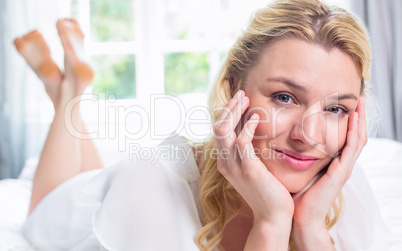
x=296 y=186
x=294 y=189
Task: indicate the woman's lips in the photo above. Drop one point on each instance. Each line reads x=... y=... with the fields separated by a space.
x=296 y=160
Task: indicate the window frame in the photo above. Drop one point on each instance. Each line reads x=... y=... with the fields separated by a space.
x=148 y=47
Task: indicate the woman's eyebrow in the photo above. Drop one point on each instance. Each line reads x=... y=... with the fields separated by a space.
x=287 y=82
x=303 y=89
x=342 y=97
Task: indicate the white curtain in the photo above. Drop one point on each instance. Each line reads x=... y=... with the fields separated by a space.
x=23 y=101
x=384 y=22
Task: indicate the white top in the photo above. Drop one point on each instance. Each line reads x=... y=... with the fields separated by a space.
x=148 y=205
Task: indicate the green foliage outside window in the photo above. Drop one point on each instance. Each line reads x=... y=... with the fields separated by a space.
x=115 y=75
x=112 y=20
x=186 y=72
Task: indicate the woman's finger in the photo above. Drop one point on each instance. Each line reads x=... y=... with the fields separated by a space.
x=362 y=125
x=220 y=128
x=224 y=129
x=347 y=158
x=229 y=106
x=244 y=144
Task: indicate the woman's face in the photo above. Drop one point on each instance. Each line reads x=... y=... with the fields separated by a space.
x=304 y=95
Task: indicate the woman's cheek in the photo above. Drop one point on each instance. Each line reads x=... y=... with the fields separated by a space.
x=263 y=130
x=336 y=136
x=343 y=130
x=274 y=122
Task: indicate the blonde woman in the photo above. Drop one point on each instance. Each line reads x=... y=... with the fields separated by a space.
x=289 y=124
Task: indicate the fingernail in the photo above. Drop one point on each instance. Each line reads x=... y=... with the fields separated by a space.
x=255 y=116
x=243 y=99
x=238 y=93
x=356 y=118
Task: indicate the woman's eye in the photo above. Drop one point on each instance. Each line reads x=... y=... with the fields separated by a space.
x=284 y=98
x=336 y=110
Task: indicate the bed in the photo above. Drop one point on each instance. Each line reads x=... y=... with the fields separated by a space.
x=380 y=161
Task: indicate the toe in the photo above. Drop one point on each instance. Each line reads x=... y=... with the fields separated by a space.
x=61 y=28
x=34 y=33
x=19 y=44
x=17 y=41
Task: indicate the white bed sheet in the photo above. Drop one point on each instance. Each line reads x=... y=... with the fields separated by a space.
x=381 y=161
x=14 y=199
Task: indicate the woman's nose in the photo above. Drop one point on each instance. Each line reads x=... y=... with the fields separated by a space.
x=310 y=127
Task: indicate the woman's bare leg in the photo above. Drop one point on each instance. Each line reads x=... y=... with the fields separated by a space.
x=63 y=155
x=72 y=39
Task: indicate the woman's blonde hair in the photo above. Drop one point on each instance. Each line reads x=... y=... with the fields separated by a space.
x=308 y=20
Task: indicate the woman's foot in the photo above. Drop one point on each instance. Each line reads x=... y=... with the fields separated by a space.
x=34 y=49
x=76 y=66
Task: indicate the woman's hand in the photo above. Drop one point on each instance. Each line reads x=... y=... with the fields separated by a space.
x=271 y=203
x=311 y=207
